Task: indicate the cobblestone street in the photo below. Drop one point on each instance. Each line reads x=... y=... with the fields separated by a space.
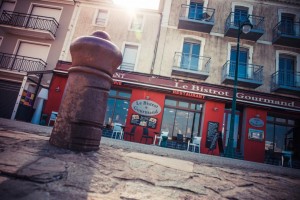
x=33 y=169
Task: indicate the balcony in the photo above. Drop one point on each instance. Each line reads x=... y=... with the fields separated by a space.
x=29 y=25
x=195 y=18
x=193 y=66
x=232 y=26
x=249 y=75
x=21 y=63
x=286 y=82
x=287 y=34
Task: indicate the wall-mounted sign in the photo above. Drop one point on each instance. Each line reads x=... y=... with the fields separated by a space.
x=145 y=121
x=256 y=134
x=146 y=107
x=256 y=122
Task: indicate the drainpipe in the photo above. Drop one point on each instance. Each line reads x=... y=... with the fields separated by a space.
x=156 y=44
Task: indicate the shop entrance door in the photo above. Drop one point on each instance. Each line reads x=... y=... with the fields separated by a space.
x=226 y=128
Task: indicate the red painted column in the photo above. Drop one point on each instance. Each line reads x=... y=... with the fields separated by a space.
x=140 y=94
x=254 y=150
x=214 y=112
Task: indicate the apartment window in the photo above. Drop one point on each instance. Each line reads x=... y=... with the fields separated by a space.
x=46 y=12
x=190 y=55
x=287 y=24
x=7 y=6
x=1 y=38
x=129 y=57
x=243 y=62
x=117 y=107
x=101 y=17
x=240 y=14
x=196 y=10
x=137 y=22
x=287 y=65
x=181 y=117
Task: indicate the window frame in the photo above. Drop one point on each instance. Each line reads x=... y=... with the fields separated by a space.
x=96 y=17
x=137 y=55
x=189 y=109
x=193 y=39
x=142 y=25
x=32 y=5
x=1 y=40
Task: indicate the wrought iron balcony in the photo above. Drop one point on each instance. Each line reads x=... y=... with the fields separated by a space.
x=201 y=19
x=287 y=34
x=21 y=63
x=286 y=82
x=29 y=25
x=234 y=20
x=189 y=65
x=249 y=75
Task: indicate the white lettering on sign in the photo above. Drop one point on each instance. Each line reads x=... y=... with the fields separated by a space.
x=146 y=107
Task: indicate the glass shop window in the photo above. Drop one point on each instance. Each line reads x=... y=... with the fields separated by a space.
x=181 y=117
x=117 y=107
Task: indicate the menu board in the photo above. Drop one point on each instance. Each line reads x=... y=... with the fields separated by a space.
x=144 y=121
x=212 y=130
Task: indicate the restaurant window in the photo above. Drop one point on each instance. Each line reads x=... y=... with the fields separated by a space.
x=117 y=107
x=280 y=134
x=181 y=117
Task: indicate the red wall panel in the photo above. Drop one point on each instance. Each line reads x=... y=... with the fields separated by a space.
x=254 y=150
x=213 y=111
x=138 y=94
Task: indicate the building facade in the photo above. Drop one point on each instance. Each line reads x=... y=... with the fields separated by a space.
x=32 y=34
x=178 y=69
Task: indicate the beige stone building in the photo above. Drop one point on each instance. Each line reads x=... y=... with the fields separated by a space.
x=32 y=34
x=179 y=61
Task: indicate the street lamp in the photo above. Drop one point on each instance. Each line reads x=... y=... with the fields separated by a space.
x=244 y=27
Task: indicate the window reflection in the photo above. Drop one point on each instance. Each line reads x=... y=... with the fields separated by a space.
x=279 y=136
x=117 y=107
x=177 y=120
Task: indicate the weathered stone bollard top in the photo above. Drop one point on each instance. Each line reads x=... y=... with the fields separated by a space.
x=87 y=50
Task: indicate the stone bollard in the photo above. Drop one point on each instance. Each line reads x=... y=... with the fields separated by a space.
x=82 y=110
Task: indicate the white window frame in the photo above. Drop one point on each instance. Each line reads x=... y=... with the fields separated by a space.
x=191 y=38
x=96 y=15
x=143 y=22
x=45 y=6
x=297 y=14
x=243 y=4
x=297 y=55
x=137 y=55
x=188 y=2
x=250 y=56
x=14 y=2
x=31 y=42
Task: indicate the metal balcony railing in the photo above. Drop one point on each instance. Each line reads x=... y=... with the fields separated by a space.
x=246 y=71
x=21 y=63
x=285 y=79
x=191 y=63
x=29 y=21
x=234 y=19
x=286 y=28
x=199 y=13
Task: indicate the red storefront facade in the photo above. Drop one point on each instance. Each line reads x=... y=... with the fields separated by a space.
x=214 y=99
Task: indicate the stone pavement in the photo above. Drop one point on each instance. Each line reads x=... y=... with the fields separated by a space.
x=30 y=168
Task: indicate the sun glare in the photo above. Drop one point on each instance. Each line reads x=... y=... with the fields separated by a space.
x=134 y=4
